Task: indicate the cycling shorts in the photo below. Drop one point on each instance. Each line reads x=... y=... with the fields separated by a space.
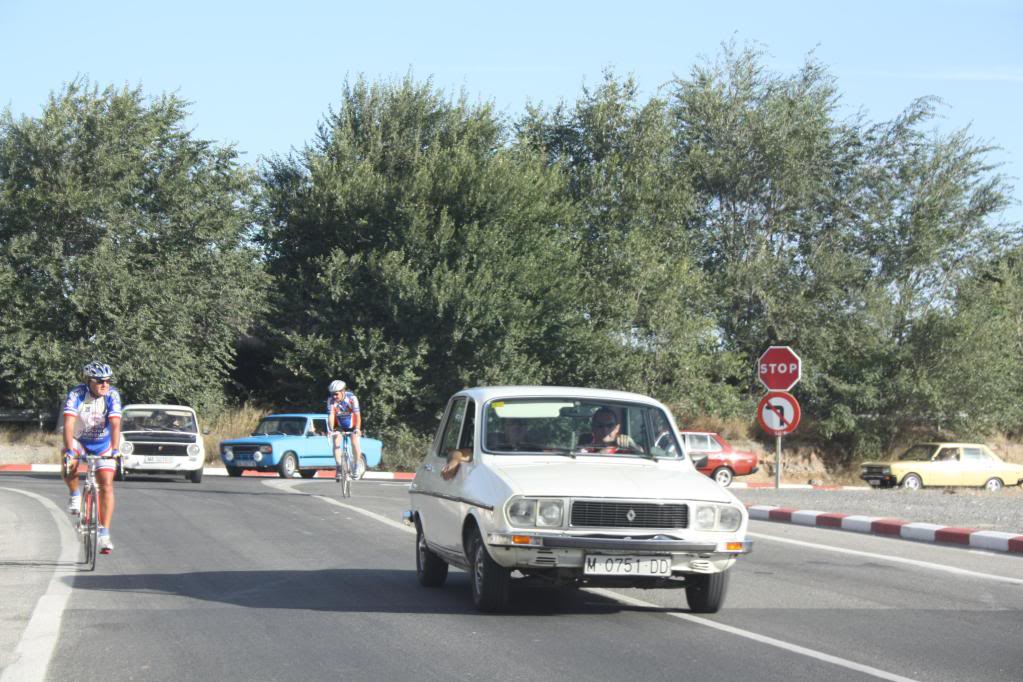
x=101 y=447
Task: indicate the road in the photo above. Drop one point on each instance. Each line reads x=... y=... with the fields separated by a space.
x=261 y=578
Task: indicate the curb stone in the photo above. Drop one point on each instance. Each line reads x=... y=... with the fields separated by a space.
x=897 y=528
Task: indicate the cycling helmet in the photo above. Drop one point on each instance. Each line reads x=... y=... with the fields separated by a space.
x=336 y=385
x=97 y=370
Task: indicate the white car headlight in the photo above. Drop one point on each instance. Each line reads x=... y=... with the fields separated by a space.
x=127 y=447
x=549 y=513
x=193 y=449
x=228 y=452
x=705 y=518
x=522 y=512
x=730 y=518
x=257 y=456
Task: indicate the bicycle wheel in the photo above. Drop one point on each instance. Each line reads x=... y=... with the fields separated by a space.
x=90 y=526
x=346 y=472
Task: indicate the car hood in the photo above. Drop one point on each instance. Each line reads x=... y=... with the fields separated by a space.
x=251 y=440
x=627 y=478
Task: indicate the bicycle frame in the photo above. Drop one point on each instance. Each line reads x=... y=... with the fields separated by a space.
x=88 y=518
x=347 y=466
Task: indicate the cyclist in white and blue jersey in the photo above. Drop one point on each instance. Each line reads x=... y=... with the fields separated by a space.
x=92 y=425
x=343 y=414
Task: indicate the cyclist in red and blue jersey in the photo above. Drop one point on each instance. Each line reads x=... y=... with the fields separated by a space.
x=343 y=415
x=92 y=425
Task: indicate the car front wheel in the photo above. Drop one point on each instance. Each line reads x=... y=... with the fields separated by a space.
x=234 y=472
x=706 y=592
x=195 y=476
x=994 y=484
x=912 y=482
x=723 y=475
x=431 y=570
x=489 y=580
x=288 y=465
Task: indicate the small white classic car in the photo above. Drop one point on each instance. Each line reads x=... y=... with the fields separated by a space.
x=571 y=486
x=161 y=439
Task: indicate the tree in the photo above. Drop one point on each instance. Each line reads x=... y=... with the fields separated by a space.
x=415 y=252
x=122 y=238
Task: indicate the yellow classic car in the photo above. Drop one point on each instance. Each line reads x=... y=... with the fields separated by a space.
x=944 y=464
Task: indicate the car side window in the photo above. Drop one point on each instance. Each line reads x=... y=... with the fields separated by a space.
x=697 y=442
x=974 y=455
x=320 y=427
x=948 y=455
x=453 y=429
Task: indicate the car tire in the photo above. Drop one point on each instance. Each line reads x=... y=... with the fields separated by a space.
x=705 y=592
x=195 y=476
x=994 y=485
x=288 y=465
x=912 y=482
x=234 y=472
x=431 y=570
x=488 y=580
x=307 y=473
x=724 y=476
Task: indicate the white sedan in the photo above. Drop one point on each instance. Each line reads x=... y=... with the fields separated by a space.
x=571 y=486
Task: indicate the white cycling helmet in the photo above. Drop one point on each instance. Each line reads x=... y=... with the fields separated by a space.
x=336 y=385
x=97 y=370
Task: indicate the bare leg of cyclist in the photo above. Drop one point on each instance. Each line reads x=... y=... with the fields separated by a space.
x=105 y=482
x=336 y=441
x=360 y=461
x=70 y=477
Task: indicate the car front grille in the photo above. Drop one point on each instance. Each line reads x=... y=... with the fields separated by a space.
x=874 y=470
x=599 y=514
x=245 y=451
x=165 y=449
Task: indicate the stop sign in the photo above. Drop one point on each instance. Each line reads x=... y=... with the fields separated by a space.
x=779 y=368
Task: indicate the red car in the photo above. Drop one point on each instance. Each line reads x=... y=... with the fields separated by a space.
x=723 y=461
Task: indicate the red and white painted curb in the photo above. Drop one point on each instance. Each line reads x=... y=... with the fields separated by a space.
x=923 y=532
x=221 y=471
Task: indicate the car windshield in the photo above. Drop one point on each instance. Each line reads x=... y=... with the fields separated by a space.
x=285 y=426
x=578 y=427
x=149 y=419
x=917 y=453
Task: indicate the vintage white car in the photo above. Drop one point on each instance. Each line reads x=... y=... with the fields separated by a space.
x=572 y=486
x=161 y=439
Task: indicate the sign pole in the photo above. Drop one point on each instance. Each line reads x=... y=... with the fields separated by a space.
x=777 y=462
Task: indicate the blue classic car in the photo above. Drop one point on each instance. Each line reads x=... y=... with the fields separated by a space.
x=289 y=443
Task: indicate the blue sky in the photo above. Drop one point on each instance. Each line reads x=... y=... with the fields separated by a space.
x=262 y=74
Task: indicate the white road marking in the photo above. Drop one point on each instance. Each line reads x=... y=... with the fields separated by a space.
x=289 y=486
x=763 y=639
x=893 y=559
x=39 y=639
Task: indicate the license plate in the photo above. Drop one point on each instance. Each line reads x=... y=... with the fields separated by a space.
x=607 y=564
x=243 y=463
x=157 y=459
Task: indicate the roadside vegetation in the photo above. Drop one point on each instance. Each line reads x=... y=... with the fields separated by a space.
x=419 y=243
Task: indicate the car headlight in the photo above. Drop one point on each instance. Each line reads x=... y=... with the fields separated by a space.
x=193 y=449
x=127 y=447
x=227 y=452
x=548 y=513
x=716 y=517
x=257 y=456
x=522 y=512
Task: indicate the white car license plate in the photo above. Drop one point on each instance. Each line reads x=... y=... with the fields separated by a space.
x=157 y=459
x=608 y=564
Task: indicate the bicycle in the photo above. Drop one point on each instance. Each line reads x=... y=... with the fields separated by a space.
x=347 y=465
x=87 y=524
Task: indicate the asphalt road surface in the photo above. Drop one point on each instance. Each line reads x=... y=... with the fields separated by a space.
x=266 y=579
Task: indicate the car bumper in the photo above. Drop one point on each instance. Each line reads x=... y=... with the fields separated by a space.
x=880 y=480
x=567 y=552
x=161 y=464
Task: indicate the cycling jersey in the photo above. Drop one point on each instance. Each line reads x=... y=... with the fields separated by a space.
x=345 y=411
x=92 y=423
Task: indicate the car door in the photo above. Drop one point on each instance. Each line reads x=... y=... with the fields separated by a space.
x=316 y=451
x=439 y=501
x=698 y=445
x=945 y=468
x=977 y=467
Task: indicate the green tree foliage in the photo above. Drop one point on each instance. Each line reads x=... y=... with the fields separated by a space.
x=122 y=238
x=646 y=300
x=416 y=252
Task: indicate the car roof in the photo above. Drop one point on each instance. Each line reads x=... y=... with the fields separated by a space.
x=486 y=393
x=314 y=415
x=943 y=443
x=157 y=406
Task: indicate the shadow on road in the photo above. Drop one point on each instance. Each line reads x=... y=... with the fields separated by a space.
x=351 y=590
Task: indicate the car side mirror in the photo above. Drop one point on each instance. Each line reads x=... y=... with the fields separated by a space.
x=700 y=461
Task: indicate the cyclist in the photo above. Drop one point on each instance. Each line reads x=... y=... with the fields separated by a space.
x=92 y=425
x=343 y=415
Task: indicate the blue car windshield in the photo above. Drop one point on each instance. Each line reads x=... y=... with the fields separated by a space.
x=285 y=426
